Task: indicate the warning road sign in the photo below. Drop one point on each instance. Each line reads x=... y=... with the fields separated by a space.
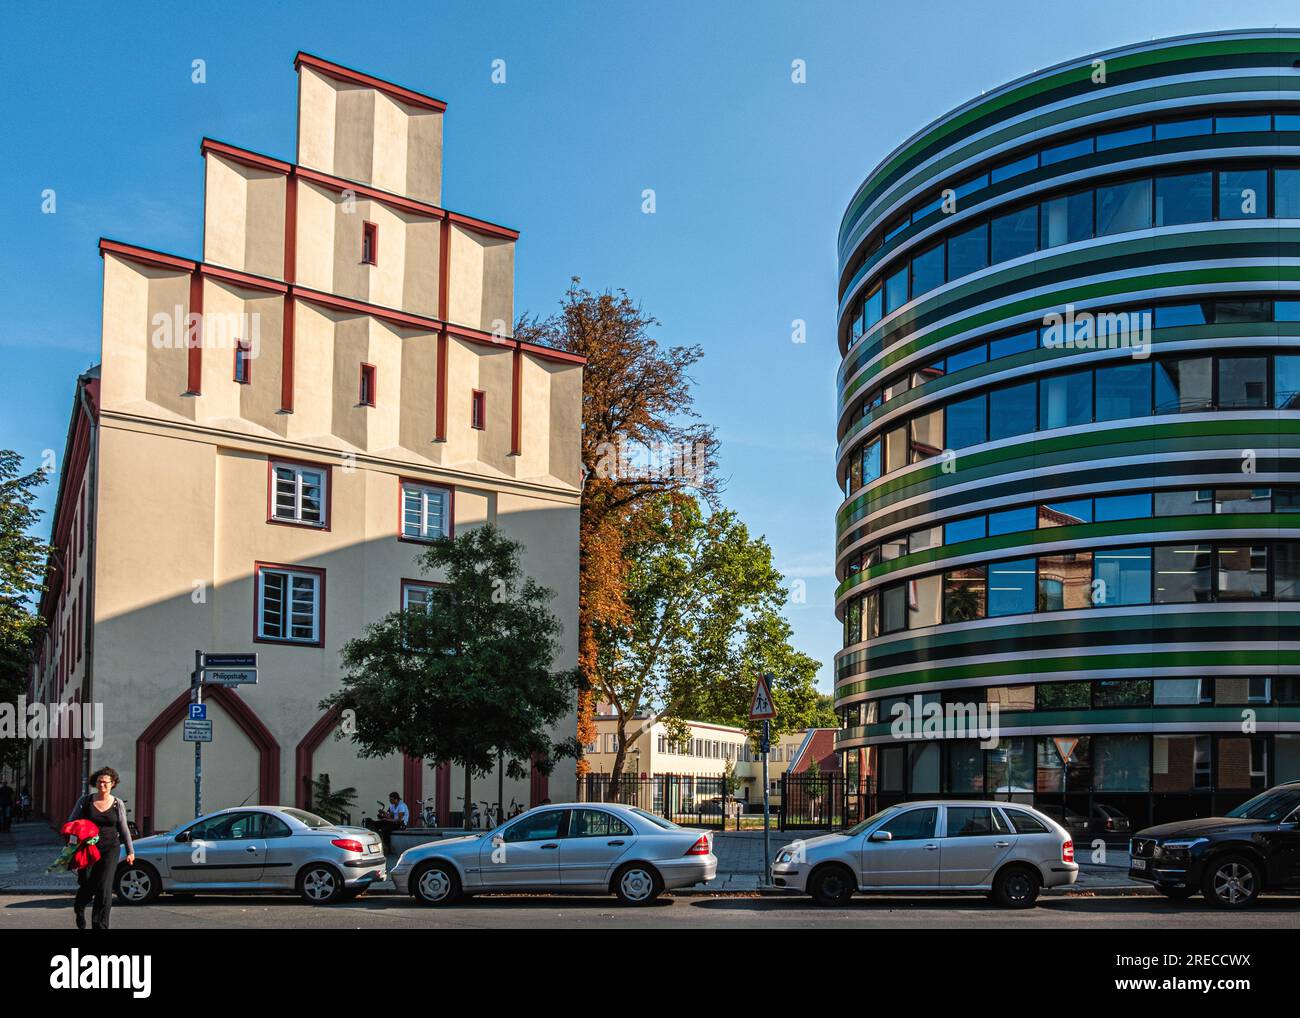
x=761 y=706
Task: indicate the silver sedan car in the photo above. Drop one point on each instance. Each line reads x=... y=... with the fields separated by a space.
x=254 y=848
x=570 y=847
x=1005 y=850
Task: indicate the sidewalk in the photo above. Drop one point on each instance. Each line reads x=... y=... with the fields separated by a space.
x=25 y=851
x=32 y=846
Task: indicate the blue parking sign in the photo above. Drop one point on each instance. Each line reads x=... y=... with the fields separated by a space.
x=198 y=711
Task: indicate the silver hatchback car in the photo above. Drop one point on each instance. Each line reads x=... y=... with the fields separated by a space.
x=568 y=848
x=1005 y=850
x=254 y=848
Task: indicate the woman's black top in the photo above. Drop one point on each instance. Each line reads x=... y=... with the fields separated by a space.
x=113 y=831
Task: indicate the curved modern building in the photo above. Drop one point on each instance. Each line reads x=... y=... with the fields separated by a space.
x=1069 y=440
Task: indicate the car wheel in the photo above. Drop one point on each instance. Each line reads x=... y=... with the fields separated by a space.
x=435 y=884
x=1016 y=887
x=1232 y=882
x=320 y=884
x=637 y=884
x=831 y=886
x=138 y=884
x=1176 y=893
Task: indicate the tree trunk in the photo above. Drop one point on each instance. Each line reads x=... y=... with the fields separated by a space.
x=469 y=803
x=620 y=756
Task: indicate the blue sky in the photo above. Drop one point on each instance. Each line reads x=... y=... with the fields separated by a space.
x=751 y=174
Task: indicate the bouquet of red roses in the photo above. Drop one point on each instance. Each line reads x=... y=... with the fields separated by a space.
x=82 y=850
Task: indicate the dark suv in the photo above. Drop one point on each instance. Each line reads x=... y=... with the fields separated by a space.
x=1230 y=859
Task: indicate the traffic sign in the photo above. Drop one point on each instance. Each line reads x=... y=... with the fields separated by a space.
x=230 y=661
x=761 y=706
x=196 y=731
x=198 y=711
x=1065 y=748
x=229 y=676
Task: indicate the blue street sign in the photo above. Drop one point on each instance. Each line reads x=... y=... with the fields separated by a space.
x=198 y=711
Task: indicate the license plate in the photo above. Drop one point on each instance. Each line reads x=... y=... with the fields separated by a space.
x=1139 y=864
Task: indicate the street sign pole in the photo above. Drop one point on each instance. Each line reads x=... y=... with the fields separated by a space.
x=196 y=686
x=767 y=817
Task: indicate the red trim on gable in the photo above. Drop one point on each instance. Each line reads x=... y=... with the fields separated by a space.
x=239 y=278
x=516 y=400
x=482 y=226
x=243 y=155
x=550 y=353
x=360 y=307
x=194 y=370
x=146 y=255
x=146 y=749
x=341 y=73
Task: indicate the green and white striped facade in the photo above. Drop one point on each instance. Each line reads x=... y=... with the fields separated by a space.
x=1193 y=691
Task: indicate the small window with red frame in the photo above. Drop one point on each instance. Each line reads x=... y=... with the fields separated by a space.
x=478 y=409
x=367 y=385
x=370 y=244
x=243 y=361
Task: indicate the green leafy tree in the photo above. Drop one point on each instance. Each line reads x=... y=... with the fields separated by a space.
x=705 y=620
x=334 y=805
x=22 y=560
x=468 y=679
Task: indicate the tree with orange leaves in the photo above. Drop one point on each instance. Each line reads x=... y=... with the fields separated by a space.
x=641 y=438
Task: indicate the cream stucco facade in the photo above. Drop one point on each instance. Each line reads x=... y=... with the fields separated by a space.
x=262 y=416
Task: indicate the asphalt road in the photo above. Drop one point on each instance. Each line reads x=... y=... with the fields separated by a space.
x=500 y=912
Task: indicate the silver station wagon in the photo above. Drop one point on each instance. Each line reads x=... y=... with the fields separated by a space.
x=585 y=848
x=254 y=848
x=1005 y=850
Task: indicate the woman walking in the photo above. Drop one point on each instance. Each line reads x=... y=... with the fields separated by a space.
x=95 y=883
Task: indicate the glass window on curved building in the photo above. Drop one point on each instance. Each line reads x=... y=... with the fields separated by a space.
x=1194 y=502
x=1243 y=194
x=1184 y=385
x=927 y=270
x=1243 y=572
x=1065 y=581
x=972 y=528
x=1124 y=138
x=1009 y=769
x=1184 y=128
x=1184 y=198
x=1242 y=762
x=1121 y=693
x=1121 y=763
x=965 y=766
x=1066 y=220
x=1180 y=763
x=964 y=594
x=1011 y=698
x=1122 y=576
x=1123 y=207
x=1286 y=572
x=1183 y=574
x=1123 y=390
x=1122 y=507
x=966 y=422
x=1013 y=410
x=1065 y=400
x=896 y=290
x=1011 y=587
x=1012 y=521
x=924 y=601
x=1286 y=758
x=1014 y=234
x=893 y=609
x=1074 y=695
x=1182 y=692
x=1242 y=500
x=1286 y=382
x=1286 y=194
x=1243 y=383
x=1055 y=776
x=968 y=251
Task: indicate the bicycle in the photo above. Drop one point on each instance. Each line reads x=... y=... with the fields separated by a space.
x=470 y=820
x=491 y=814
x=428 y=815
x=516 y=808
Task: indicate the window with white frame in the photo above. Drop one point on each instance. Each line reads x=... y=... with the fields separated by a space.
x=417 y=597
x=426 y=512
x=298 y=493
x=289 y=605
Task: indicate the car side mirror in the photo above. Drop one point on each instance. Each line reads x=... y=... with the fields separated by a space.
x=183 y=836
x=881 y=836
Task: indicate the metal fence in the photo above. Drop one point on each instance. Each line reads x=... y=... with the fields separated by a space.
x=815 y=801
x=688 y=799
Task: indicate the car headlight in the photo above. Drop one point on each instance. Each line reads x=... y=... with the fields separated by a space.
x=785 y=857
x=1179 y=846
